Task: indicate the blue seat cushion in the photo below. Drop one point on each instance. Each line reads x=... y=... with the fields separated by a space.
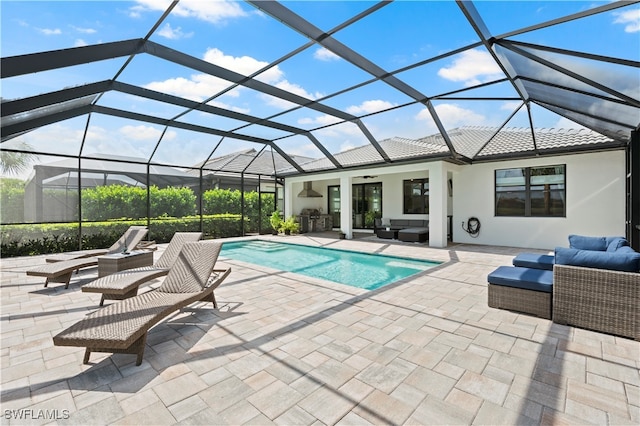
x=534 y=260
x=620 y=260
x=525 y=278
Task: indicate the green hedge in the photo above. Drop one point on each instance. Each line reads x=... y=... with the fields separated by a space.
x=220 y=201
x=34 y=239
x=109 y=202
x=12 y=200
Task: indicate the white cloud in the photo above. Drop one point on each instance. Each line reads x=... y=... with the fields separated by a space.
x=209 y=11
x=346 y=146
x=224 y=105
x=136 y=12
x=341 y=136
x=451 y=115
x=629 y=18
x=302 y=149
x=49 y=31
x=322 y=120
x=326 y=55
x=292 y=88
x=197 y=88
x=142 y=132
x=173 y=33
x=510 y=106
x=200 y=86
x=79 y=43
x=565 y=123
x=245 y=65
x=368 y=107
x=472 y=67
x=84 y=30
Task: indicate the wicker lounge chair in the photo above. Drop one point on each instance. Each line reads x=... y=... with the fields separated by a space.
x=125 y=284
x=129 y=241
x=122 y=326
x=60 y=272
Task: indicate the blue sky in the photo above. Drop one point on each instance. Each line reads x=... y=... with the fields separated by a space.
x=237 y=36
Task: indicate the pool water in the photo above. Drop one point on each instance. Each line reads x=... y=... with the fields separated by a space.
x=362 y=270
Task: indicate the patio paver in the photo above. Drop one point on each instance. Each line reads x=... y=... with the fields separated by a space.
x=287 y=349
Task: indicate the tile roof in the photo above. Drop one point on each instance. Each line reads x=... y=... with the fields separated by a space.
x=474 y=142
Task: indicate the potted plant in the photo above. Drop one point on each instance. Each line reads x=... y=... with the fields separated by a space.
x=290 y=226
x=276 y=222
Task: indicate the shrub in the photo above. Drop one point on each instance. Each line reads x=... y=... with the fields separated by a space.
x=220 y=201
x=34 y=239
x=11 y=200
x=172 y=201
x=117 y=201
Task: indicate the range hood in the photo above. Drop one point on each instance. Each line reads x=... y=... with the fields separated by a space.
x=308 y=192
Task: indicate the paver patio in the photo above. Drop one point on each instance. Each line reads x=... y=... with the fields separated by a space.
x=287 y=349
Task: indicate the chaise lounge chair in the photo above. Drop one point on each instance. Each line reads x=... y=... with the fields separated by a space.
x=129 y=241
x=122 y=327
x=122 y=285
x=60 y=272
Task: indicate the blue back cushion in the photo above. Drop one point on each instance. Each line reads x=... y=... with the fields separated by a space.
x=619 y=261
x=582 y=242
x=614 y=243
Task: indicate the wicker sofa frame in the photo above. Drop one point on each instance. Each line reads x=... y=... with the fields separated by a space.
x=597 y=299
x=531 y=302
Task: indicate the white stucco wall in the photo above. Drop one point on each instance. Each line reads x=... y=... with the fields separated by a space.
x=390 y=177
x=595 y=199
x=595 y=202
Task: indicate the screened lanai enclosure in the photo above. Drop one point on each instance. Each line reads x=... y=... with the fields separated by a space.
x=188 y=115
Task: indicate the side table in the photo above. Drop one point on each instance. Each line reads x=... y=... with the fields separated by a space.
x=388 y=234
x=110 y=263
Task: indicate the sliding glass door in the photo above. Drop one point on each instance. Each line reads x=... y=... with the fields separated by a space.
x=334 y=205
x=366 y=204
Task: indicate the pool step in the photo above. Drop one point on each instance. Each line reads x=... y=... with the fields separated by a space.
x=265 y=246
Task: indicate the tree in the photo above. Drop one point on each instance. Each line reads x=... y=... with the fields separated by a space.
x=14 y=163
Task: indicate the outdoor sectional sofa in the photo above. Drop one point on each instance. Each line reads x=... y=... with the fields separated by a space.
x=408 y=230
x=593 y=284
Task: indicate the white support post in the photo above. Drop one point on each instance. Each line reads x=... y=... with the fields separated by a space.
x=346 y=207
x=288 y=199
x=438 y=194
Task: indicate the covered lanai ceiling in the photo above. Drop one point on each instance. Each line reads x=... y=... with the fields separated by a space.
x=180 y=83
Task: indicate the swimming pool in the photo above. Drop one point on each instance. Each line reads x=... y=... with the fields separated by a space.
x=366 y=271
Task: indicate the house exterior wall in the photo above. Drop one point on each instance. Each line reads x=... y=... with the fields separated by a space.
x=390 y=177
x=595 y=199
x=595 y=202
